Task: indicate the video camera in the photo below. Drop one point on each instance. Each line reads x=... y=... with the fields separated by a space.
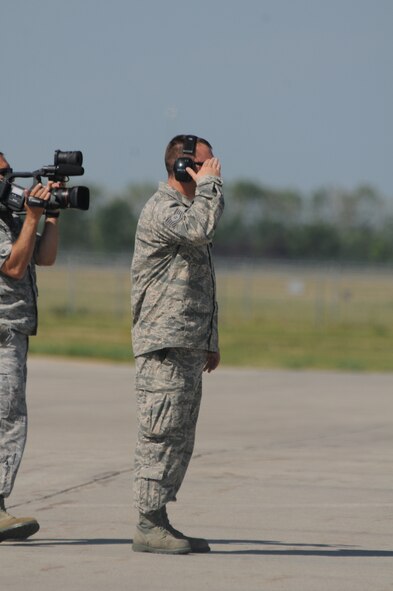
x=65 y=164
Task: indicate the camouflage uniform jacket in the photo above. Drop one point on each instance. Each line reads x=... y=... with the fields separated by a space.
x=18 y=297
x=173 y=282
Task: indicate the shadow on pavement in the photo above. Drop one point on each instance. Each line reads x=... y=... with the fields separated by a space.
x=39 y=542
x=285 y=549
x=294 y=549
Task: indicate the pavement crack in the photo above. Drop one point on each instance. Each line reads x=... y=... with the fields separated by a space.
x=96 y=479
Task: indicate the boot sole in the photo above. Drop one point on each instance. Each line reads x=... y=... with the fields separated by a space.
x=19 y=532
x=144 y=548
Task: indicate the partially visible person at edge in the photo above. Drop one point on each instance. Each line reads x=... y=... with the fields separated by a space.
x=20 y=249
x=175 y=337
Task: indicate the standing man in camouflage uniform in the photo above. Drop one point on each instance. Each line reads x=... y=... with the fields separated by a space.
x=174 y=333
x=20 y=249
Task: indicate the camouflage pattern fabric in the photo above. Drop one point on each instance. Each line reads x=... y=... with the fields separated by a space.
x=172 y=274
x=18 y=297
x=169 y=388
x=13 y=412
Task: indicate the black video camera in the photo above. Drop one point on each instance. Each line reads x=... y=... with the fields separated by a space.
x=65 y=164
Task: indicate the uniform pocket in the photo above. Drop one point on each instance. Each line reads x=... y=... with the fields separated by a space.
x=155 y=414
x=156 y=372
x=152 y=472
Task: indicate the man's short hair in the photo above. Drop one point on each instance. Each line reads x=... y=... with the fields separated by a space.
x=175 y=149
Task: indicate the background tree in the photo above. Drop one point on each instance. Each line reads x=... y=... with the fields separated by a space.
x=258 y=221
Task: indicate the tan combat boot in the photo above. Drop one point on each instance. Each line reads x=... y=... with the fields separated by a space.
x=152 y=536
x=197 y=544
x=15 y=528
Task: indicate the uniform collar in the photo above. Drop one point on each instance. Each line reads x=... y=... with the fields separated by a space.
x=165 y=188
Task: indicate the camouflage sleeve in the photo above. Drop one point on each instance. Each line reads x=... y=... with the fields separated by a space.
x=5 y=246
x=213 y=343
x=196 y=224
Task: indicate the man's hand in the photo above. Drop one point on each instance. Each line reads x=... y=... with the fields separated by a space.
x=211 y=167
x=41 y=192
x=212 y=361
x=47 y=248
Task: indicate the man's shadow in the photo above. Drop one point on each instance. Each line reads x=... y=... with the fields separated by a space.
x=260 y=547
x=40 y=542
x=296 y=549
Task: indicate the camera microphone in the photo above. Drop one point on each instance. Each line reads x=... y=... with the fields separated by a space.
x=59 y=170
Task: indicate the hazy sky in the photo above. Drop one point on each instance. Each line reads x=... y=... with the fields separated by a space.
x=291 y=93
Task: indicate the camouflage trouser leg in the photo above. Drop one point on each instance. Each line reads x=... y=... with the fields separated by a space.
x=169 y=388
x=13 y=412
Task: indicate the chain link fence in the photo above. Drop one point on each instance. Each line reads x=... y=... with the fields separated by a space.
x=248 y=291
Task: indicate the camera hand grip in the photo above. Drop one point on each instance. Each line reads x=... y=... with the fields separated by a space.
x=35 y=202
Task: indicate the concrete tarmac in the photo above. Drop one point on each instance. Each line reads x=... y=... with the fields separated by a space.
x=291 y=482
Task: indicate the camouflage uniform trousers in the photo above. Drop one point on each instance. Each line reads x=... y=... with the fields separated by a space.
x=169 y=390
x=13 y=412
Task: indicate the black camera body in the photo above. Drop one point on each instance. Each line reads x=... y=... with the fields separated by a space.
x=179 y=168
x=65 y=164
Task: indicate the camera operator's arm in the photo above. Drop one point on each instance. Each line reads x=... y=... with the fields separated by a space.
x=23 y=248
x=46 y=250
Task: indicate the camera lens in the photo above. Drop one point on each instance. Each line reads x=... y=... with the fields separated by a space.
x=74 y=197
x=75 y=158
x=79 y=198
